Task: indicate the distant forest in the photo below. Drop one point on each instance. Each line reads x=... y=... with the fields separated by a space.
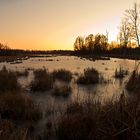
x=7 y=51
x=128 y=39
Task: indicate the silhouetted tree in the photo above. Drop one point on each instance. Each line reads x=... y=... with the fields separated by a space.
x=89 y=42
x=125 y=32
x=134 y=17
x=79 y=44
x=100 y=43
x=4 y=47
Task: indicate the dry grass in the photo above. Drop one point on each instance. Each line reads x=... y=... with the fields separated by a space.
x=8 y=131
x=62 y=91
x=121 y=73
x=43 y=80
x=62 y=74
x=8 y=80
x=90 y=76
x=24 y=73
x=133 y=84
x=19 y=107
x=88 y=120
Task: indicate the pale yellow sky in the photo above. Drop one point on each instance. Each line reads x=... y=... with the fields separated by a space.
x=54 y=24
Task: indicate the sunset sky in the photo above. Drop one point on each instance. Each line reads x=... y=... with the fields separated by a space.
x=54 y=24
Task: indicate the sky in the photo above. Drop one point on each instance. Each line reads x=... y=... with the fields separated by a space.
x=54 y=24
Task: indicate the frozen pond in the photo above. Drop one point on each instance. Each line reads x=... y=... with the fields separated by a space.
x=77 y=65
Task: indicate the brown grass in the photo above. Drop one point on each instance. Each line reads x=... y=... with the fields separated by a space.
x=8 y=80
x=8 y=131
x=62 y=74
x=62 y=91
x=88 y=120
x=133 y=84
x=90 y=76
x=43 y=80
x=18 y=107
x=24 y=73
x=121 y=73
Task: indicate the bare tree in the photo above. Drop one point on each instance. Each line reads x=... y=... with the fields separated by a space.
x=107 y=34
x=125 y=32
x=134 y=17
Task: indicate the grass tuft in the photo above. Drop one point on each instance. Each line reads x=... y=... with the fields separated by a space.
x=62 y=74
x=121 y=73
x=8 y=80
x=90 y=76
x=133 y=84
x=43 y=80
x=19 y=107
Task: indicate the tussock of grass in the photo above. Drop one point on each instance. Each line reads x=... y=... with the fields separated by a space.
x=90 y=120
x=18 y=107
x=8 y=80
x=90 y=76
x=62 y=91
x=43 y=80
x=62 y=74
x=121 y=73
x=133 y=84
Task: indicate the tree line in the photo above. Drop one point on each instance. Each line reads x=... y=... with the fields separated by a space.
x=128 y=38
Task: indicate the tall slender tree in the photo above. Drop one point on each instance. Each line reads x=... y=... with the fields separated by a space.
x=134 y=16
x=125 y=32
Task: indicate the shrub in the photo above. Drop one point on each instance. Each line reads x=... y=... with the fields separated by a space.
x=62 y=74
x=43 y=80
x=90 y=76
x=8 y=80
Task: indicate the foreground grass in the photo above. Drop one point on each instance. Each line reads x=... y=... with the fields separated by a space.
x=88 y=120
x=8 y=131
x=18 y=107
x=43 y=80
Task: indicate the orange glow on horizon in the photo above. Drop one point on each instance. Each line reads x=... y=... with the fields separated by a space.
x=54 y=25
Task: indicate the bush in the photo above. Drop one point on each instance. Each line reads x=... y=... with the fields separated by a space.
x=18 y=107
x=62 y=74
x=8 y=80
x=43 y=80
x=90 y=76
